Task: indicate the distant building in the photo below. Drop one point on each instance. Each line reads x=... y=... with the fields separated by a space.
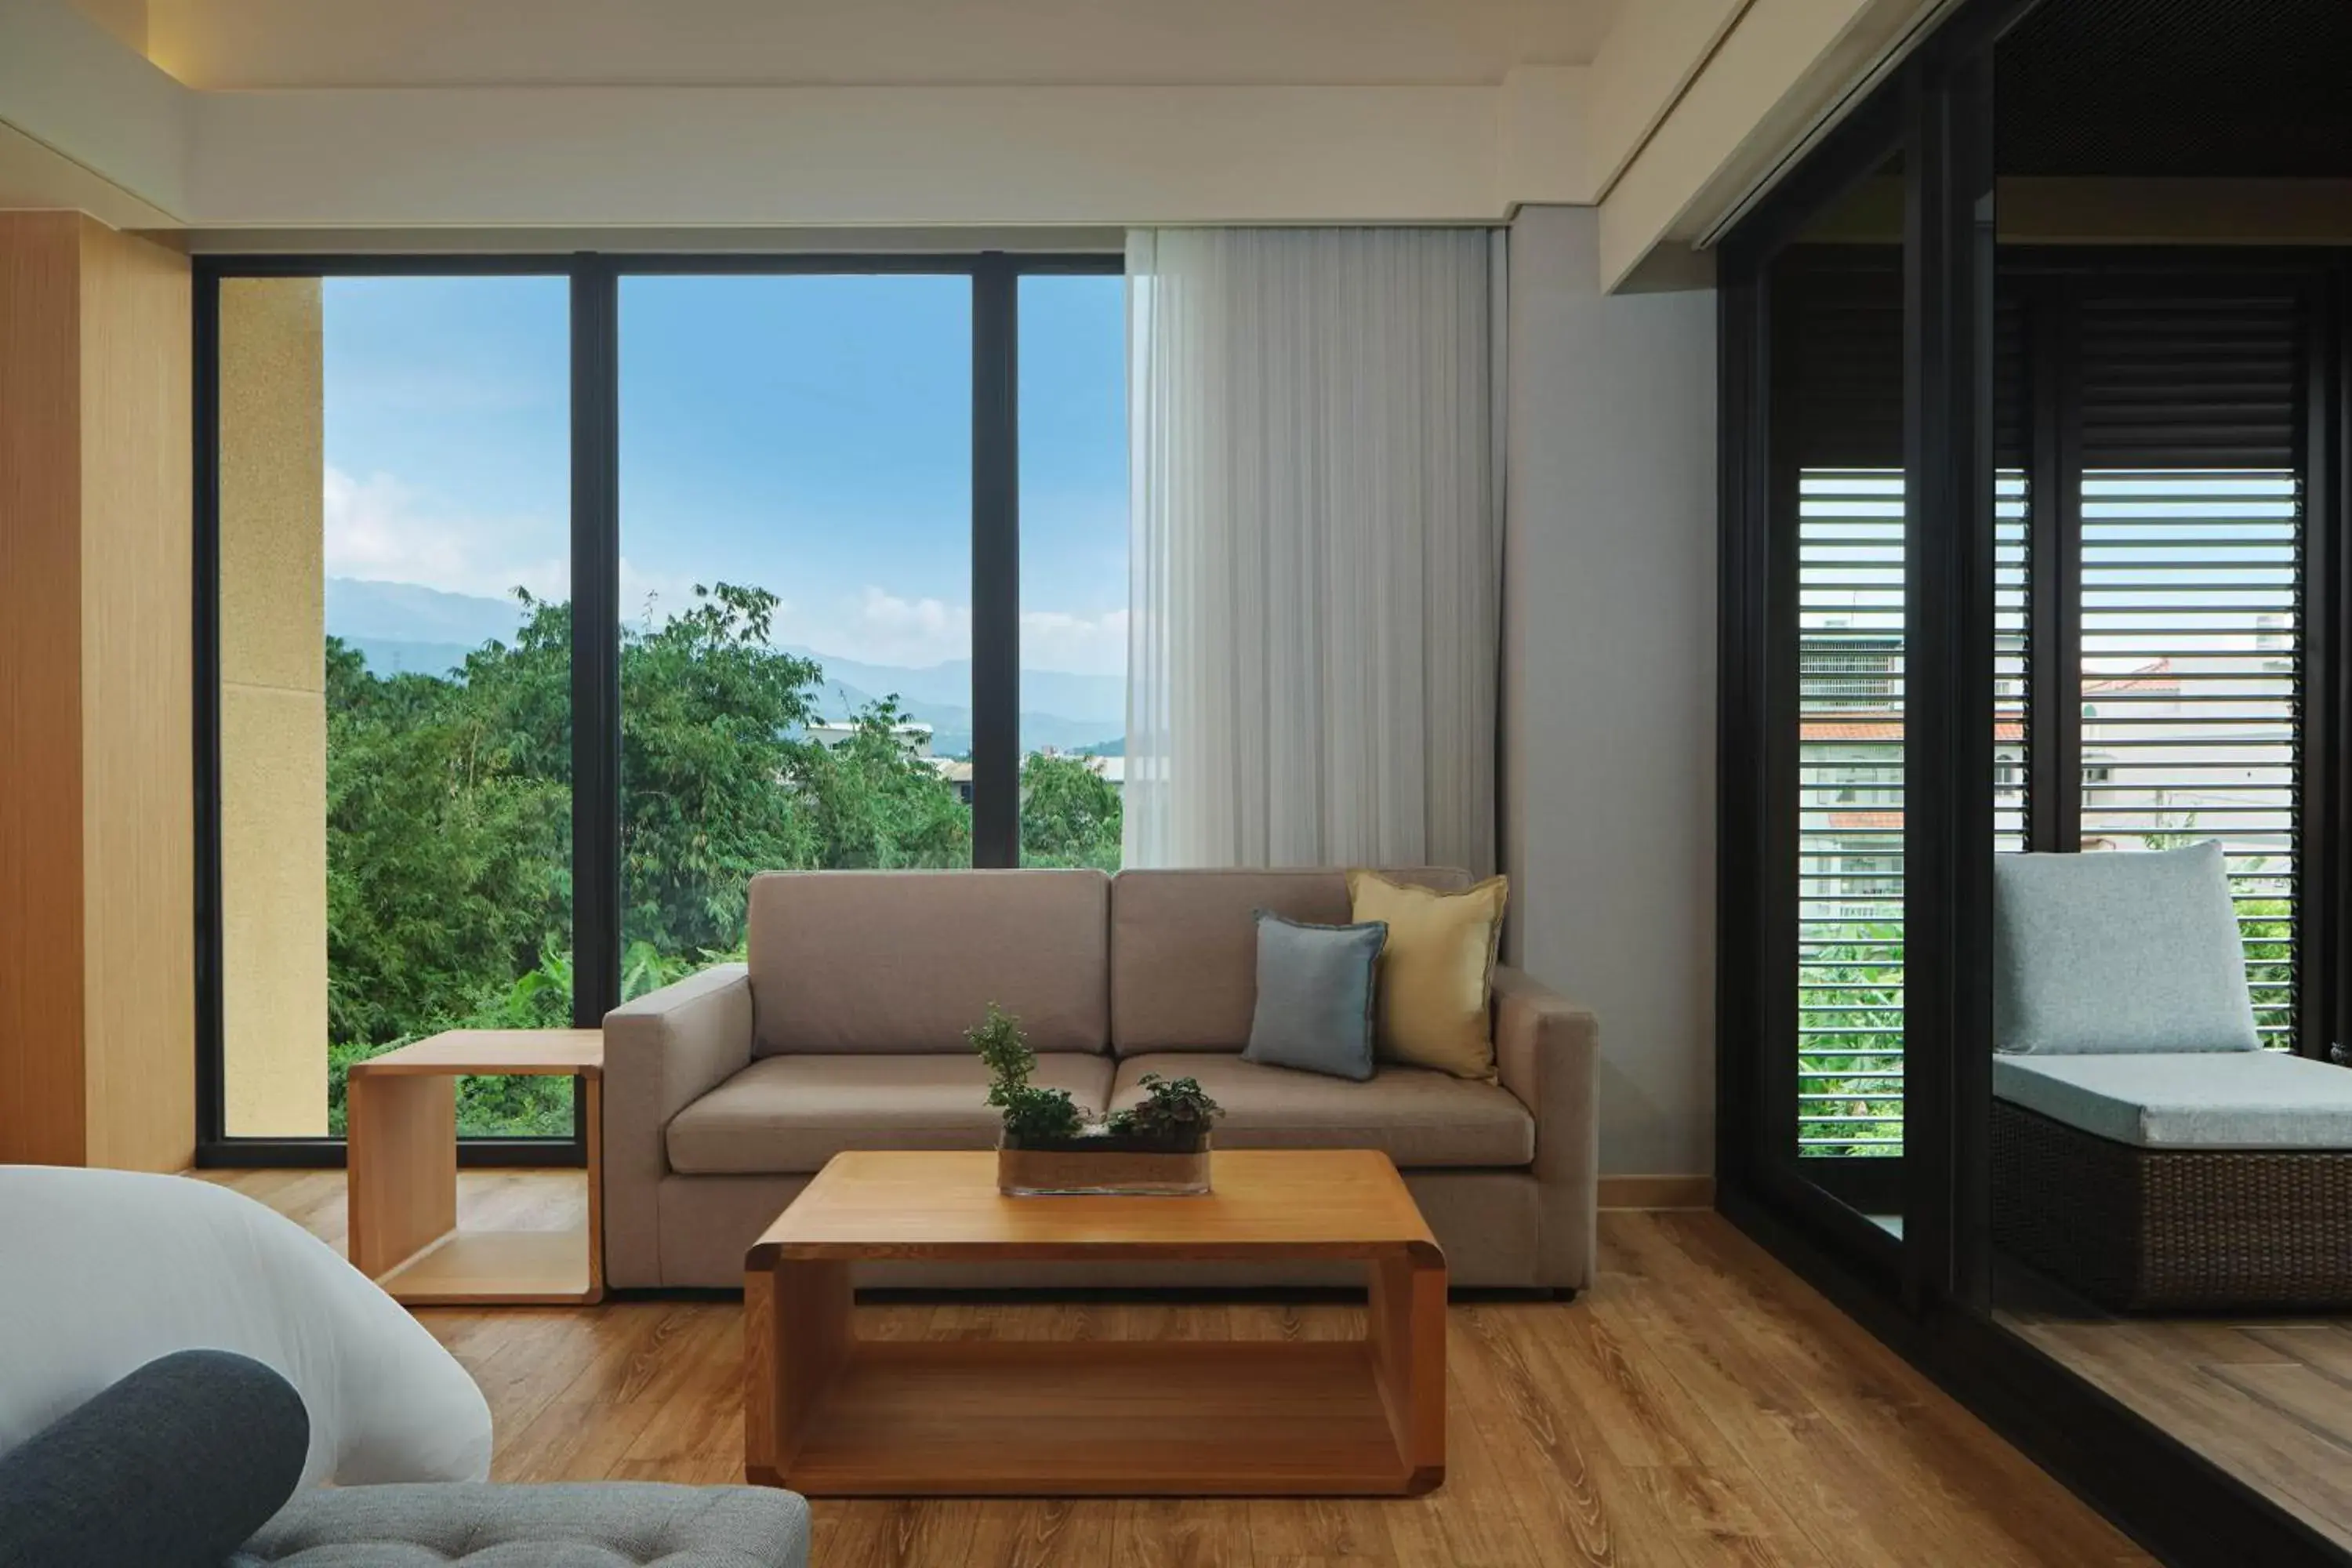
x=834 y=733
x=958 y=771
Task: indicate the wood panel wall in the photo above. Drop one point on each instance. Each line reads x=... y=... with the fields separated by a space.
x=41 y=1113
x=97 y=901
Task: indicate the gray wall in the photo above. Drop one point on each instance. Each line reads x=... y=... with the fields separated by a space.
x=1608 y=678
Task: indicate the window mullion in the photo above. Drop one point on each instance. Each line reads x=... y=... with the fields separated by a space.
x=995 y=564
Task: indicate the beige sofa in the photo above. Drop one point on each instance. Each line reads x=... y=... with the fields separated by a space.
x=726 y=1092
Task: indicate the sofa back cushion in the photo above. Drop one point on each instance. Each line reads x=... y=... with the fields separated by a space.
x=1183 y=947
x=906 y=961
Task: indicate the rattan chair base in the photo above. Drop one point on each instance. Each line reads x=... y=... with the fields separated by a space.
x=2143 y=1230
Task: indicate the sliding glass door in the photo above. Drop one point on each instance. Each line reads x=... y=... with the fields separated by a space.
x=1873 y=676
x=1823 y=579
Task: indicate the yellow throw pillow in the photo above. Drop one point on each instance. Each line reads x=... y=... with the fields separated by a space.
x=1436 y=970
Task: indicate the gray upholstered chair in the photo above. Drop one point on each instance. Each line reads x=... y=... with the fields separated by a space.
x=2146 y=1150
x=189 y=1462
x=607 y=1524
x=179 y=1366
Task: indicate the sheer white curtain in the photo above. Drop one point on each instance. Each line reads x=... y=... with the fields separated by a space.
x=1317 y=543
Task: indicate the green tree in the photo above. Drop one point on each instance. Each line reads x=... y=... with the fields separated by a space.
x=707 y=715
x=873 y=804
x=2267 y=926
x=449 y=849
x=1851 y=992
x=448 y=825
x=1069 y=813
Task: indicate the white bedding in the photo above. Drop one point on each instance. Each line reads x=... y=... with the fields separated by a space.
x=102 y=1272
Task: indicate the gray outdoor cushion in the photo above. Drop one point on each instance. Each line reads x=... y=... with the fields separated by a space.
x=589 y=1524
x=2187 y=1099
x=1315 y=995
x=2127 y=953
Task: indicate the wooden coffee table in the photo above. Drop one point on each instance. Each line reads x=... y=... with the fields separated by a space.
x=830 y=1415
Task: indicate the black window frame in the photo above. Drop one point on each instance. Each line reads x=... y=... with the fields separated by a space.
x=593 y=279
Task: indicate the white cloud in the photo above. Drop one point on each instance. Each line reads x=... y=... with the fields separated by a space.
x=888 y=630
x=882 y=627
x=381 y=528
x=378 y=527
x=1079 y=644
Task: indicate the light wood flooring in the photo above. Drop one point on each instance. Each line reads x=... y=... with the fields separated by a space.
x=1699 y=1406
x=2269 y=1400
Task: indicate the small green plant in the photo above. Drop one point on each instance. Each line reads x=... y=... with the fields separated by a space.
x=1176 y=1111
x=1032 y=1115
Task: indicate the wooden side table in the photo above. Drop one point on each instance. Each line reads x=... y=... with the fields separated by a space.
x=402 y=1133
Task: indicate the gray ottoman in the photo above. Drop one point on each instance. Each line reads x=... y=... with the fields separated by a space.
x=599 y=1524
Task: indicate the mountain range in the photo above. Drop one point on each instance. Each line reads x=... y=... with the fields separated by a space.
x=402 y=627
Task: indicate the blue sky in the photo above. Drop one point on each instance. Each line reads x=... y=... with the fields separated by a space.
x=811 y=435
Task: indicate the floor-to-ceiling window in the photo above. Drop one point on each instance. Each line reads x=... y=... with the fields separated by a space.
x=1074 y=579
x=851 y=540
x=795 y=576
x=392 y=684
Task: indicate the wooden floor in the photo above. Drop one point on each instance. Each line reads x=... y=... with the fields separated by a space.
x=1699 y=1406
x=2270 y=1400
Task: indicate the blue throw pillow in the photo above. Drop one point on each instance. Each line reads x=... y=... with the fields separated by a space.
x=1315 y=997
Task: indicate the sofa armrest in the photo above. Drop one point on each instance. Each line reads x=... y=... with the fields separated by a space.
x=662 y=1052
x=1547 y=1049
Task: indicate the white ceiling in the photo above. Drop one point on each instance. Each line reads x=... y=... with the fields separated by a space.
x=387 y=43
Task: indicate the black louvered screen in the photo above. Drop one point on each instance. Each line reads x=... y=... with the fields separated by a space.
x=1838 y=402
x=2192 y=600
x=1839 y=384
x=2190 y=383
x=2191 y=660
x=1838 y=356
x=2013 y=410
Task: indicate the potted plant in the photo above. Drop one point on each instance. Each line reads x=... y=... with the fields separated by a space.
x=1052 y=1144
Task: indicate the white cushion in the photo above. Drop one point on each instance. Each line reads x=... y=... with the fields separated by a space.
x=102 y=1272
x=2182 y=1100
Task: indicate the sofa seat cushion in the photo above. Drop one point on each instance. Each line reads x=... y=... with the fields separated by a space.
x=789 y=1114
x=2187 y=1099
x=598 y=1524
x=1419 y=1118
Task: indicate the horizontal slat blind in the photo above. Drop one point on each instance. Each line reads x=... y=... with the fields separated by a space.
x=2190 y=383
x=1839 y=389
x=1838 y=376
x=2011 y=730
x=2193 y=588
x=1849 y=843
x=2012 y=736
